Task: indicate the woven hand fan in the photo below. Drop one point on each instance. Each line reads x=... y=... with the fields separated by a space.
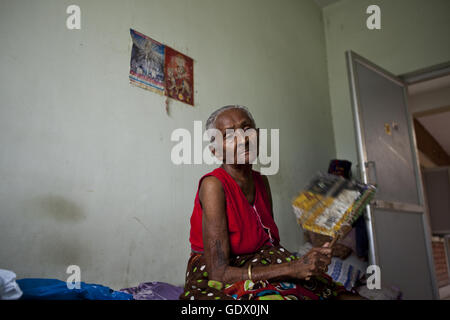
x=330 y=204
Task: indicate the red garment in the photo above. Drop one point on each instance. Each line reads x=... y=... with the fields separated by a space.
x=245 y=224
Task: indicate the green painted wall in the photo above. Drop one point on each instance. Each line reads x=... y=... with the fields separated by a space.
x=85 y=160
x=414 y=34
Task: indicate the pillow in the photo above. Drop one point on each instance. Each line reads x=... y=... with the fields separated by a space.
x=9 y=289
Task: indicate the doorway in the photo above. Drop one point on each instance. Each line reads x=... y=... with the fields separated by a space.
x=429 y=105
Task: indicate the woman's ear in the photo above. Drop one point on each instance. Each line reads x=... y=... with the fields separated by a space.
x=212 y=149
x=215 y=153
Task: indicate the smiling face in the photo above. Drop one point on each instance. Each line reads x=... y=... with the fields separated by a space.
x=239 y=137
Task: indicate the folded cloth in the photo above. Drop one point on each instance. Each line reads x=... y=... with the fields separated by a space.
x=53 y=289
x=385 y=293
x=154 y=291
x=9 y=289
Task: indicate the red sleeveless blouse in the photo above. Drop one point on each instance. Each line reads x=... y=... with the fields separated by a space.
x=249 y=227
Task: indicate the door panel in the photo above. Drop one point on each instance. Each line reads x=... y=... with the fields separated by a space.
x=390 y=149
x=401 y=261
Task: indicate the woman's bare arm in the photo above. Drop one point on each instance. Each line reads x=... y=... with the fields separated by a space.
x=217 y=246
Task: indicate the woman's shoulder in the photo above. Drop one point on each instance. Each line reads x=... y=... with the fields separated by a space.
x=211 y=181
x=211 y=189
x=215 y=175
x=261 y=177
x=259 y=174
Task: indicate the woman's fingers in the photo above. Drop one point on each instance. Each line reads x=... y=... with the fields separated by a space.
x=324 y=251
x=325 y=257
x=313 y=263
x=319 y=262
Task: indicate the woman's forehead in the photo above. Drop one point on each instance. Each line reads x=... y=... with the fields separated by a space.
x=232 y=118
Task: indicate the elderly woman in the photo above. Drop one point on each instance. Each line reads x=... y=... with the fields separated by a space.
x=235 y=243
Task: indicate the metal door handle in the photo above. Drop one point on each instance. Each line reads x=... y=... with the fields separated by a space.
x=371 y=172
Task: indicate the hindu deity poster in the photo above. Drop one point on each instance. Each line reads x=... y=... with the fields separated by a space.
x=179 y=76
x=147 y=63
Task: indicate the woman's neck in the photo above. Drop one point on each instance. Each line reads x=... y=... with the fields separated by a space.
x=239 y=172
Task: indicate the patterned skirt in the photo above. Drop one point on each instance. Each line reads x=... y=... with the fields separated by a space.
x=199 y=287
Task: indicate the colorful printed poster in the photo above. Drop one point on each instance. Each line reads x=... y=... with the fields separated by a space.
x=179 y=76
x=147 y=63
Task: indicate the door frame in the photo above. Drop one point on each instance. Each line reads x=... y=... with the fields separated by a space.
x=425 y=74
x=351 y=59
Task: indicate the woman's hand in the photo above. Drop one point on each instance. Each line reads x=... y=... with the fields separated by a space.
x=341 y=251
x=313 y=263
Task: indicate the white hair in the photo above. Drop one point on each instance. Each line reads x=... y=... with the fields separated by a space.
x=211 y=122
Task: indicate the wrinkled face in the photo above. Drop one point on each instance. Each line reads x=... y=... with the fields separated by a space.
x=238 y=137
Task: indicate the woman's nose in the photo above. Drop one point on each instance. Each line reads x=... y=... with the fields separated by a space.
x=240 y=137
